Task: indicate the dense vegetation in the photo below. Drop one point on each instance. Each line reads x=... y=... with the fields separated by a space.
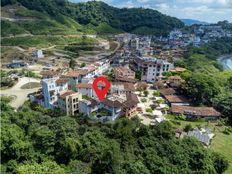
x=98 y=16
x=36 y=140
x=5 y=81
x=206 y=82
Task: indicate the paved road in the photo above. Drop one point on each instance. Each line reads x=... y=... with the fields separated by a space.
x=21 y=94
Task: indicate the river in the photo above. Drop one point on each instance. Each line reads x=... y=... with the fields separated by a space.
x=226 y=61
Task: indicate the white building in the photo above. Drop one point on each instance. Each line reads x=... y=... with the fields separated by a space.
x=151 y=69
x=38 y=54
x=52 y=85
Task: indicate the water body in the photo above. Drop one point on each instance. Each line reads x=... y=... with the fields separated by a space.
x=226 y=62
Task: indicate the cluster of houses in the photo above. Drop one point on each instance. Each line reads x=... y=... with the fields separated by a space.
x=145 y=57
x=72 y=92
x=180 y=104
x=171 y=47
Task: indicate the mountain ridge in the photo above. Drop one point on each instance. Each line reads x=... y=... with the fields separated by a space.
x=94 y=13
x=190 y=22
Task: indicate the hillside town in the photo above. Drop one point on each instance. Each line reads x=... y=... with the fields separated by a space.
x=137 y=70
x=139 y=86
x=116 y=87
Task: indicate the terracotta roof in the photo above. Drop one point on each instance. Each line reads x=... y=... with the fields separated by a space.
x=178 y=69
x=131 y=101
x=142 y=85
x=84 y=85
x=88 y=85
x=123 y=79
x=64 y=95
x=61 y=81
x=167 y=91
x=195 y=111
x=127 y=86
x=123 y=72
x=174 y=78
x=110 y=103
x=176 y=99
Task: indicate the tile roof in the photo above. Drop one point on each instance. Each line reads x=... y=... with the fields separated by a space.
x=61 y=81
x=131 y=101
x=178 y=69
x=84 y=85
x=64 y=95
x=110 y=103
x=195 y=111
x=174 y=78
x=167 y=91
x=176 y=99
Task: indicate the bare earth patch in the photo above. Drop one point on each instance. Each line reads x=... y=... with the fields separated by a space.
x=31 y=85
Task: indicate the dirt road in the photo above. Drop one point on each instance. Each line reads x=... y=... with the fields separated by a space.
x=21 y=94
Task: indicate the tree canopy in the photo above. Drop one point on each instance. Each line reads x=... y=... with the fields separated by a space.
x=35 y=141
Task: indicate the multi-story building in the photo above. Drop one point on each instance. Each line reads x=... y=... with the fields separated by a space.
x=52 y=85
x=68 y=102
x=151 y=69
x=124 y=74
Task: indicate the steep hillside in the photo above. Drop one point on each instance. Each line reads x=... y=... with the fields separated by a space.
x=93 y=14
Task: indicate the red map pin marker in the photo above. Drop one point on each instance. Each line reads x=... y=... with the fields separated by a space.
x=101 y=93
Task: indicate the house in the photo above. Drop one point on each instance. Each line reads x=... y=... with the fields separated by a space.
x=121 y=88
x=113 y=106
x=37 y=54
x=124 y=74
x=167 y=91
x=203 y=135
x=85 y=89
x=87 y=107
x=52 y=86
x=175 y=81
x=17 y=64
x=68 y=102
x=129 y=107
x=151 y=68
x=176 y=100
x=37 y=97
x=141 y=86
x=178 y=70
x=208 y=113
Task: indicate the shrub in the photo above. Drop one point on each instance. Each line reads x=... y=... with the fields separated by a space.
x=143 y=100
x=149 y=110
x=156 y=93
x=188 y=128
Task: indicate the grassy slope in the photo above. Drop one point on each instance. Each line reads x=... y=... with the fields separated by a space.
x=35 y=22
x=45 y=41
x=223 y=144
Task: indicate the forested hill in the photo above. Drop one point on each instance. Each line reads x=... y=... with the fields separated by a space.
x=137 y=20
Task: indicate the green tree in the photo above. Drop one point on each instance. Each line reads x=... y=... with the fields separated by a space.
x=72 y=63
x=201 y=87
x=48 y=167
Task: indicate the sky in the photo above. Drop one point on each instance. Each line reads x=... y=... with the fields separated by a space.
x=210 y=11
